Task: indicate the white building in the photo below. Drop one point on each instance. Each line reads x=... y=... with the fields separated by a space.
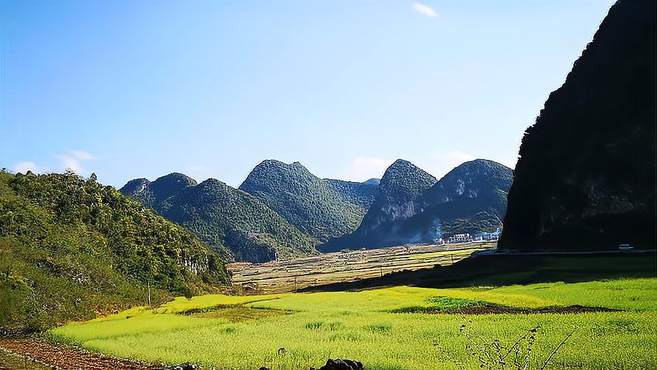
x=459 y=238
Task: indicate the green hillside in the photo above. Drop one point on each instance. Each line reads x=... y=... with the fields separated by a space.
x=71 y=248
x=152 y=193
x=401 y=186
x=236 y=224
x=222 y=215
x=359 y=193
x=320 y=208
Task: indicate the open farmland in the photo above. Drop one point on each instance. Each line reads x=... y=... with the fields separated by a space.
x=291 y=275
x=609 y=325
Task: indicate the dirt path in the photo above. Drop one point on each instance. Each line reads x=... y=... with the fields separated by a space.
x=30 y=353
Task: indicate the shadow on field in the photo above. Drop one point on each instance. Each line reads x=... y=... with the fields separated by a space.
x=501 y=269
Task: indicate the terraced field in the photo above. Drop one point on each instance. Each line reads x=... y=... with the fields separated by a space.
x=291 y=275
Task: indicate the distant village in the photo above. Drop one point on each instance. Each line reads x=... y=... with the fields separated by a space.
x=466 y=237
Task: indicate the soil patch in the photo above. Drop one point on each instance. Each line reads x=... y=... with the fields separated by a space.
x=493 y=309
x=234 y=313
x=500 y=309
x=32 y=353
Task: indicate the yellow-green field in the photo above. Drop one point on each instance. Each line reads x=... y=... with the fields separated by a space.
x=390 y=328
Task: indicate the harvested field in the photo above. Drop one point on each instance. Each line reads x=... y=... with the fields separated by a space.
x=291 y=275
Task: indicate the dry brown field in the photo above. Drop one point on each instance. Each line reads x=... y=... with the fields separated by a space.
x=291 y=275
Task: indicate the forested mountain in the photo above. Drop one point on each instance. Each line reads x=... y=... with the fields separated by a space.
x=400 y=190
x=372 y=181
x=586 y=173
x=471 y=180
x=359 y=193
x=279 y=207
x=413 y=207
x=231 y=221
x=469 y=199
x=152 y=193
x=319 y=207
x=70 y=248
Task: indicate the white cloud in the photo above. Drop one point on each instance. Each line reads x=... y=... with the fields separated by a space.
x=25 y=166
x=82 y=155
x=73 y=160
x=70 y=163
x=424 y=9
x=364 y=168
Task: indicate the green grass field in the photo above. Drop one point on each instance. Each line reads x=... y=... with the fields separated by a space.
x=388 y=328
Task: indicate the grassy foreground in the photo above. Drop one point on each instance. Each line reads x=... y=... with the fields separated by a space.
x=388 y=328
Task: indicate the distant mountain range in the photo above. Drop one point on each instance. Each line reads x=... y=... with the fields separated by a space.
x=586 y=174
x=283 y=210
x=412 y=207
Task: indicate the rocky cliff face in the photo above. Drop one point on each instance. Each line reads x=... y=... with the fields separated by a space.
x=586 y=173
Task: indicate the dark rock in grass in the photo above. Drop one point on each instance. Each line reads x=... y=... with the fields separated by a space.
x=342 y=364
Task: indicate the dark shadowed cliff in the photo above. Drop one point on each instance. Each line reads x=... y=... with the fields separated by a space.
x=586 y=174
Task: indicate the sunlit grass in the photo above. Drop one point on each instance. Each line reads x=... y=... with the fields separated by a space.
x=360 y=325
x=465 y=252
x=181 y=304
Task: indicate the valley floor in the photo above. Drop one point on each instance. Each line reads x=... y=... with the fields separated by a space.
x=340 y=267
x=611 y=323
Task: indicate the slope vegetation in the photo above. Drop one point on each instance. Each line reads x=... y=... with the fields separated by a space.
x=233 y=222
x=70 y=248
x=319 y=207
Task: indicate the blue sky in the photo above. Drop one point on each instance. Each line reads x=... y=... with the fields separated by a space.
x=142 y=88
